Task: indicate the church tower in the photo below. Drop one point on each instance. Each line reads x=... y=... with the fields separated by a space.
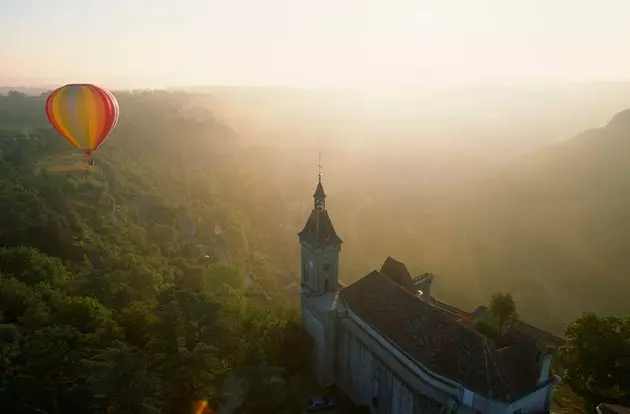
x=320 y=247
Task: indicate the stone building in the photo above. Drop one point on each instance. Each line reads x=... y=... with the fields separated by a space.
x=389 y=345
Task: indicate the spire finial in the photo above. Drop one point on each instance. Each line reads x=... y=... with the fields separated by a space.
x=319 y=167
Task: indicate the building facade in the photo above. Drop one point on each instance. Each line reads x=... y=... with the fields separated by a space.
x=389 y=345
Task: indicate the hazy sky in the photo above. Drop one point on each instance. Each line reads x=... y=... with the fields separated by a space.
x=146 y=43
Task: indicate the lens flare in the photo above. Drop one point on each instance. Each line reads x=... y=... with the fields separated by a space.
x=201 y=407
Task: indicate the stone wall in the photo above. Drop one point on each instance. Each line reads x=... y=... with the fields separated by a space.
x=367 y=380
x=315 y=329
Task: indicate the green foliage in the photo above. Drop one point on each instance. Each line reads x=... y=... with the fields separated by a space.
x=503 y=309
x=277 y=362
x=9 y=333
x=51 y=372
x=125 y=383
x=86 y=314
x=113 y=297
x=136 y=321
x=596 y=355
x=20 y=303
x=32 y=267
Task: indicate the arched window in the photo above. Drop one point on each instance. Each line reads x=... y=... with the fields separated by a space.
x=326 y=285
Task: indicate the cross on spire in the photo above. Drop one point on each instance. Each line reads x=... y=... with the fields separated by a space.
x=319 y=167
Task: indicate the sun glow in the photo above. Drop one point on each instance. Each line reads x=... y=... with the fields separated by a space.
x=148 y=43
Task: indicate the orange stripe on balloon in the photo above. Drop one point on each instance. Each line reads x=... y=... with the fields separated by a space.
x=61 y=113
x=51 y=113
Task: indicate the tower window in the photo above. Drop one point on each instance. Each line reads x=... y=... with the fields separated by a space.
x=326 y=267
x=326 y=285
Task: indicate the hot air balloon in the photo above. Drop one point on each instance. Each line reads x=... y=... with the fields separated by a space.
x=83 y=114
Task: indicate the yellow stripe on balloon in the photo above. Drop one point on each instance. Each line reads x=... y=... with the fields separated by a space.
x=73 y=105
x=97 y=119
x=60 y=113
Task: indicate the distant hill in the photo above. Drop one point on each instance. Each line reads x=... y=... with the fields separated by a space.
x=4 y=90
x=555 y=224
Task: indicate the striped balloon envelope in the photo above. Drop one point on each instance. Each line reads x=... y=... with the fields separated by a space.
x=83 y=114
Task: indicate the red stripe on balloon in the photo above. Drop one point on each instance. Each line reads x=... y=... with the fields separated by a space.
x=111 y=116
x=106 y=116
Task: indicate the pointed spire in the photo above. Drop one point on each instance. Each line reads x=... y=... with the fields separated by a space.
x=319 y=230
x=320 y=195
x=319 y=191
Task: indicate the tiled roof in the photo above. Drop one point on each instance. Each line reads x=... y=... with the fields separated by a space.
x=428 y=335
x=398 y=273
x=519 y=365
x=520 y=330
x=452 y=310
x=319 y=231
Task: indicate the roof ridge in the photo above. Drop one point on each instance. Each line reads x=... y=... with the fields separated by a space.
x=491 y=355
x=434 y=308
x=488 y=382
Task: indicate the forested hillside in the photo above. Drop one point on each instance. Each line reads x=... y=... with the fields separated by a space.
x=158 y=277
x=123 y=286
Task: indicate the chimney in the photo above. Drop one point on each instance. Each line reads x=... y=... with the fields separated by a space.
x=422 y=285
x=545 y=367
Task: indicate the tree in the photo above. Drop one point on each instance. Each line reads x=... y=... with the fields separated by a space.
x=137 y=320
x=86 y=314
x=503 y=309
x=20 y=303
x=185 y=351
x=276 y=360
x=31 y=266
x=51 y=373
x=124 y=383
x=596 y=355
